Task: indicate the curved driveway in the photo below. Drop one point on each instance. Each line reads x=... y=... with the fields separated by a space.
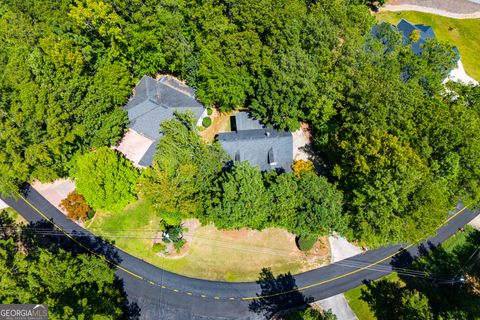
x=164 y=295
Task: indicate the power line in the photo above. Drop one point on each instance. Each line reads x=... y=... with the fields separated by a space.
x=219 y=243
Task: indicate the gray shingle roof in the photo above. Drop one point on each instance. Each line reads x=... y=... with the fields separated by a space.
x=266 y=148
x=243 y=121
x=155 y=101
x=406 y=28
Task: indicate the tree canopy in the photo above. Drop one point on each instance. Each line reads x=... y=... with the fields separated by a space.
x=440 y=294
x=72 y=285
x=105 y=178
x=400 y=147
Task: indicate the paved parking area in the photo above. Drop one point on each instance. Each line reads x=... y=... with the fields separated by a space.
x=55 y=191
x=3 y=205
x=134 y=146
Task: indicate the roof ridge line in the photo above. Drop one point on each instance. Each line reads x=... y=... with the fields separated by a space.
x=176 y=89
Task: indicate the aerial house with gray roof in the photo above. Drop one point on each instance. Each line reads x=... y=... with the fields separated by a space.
x=153 y=102
x=261 y=146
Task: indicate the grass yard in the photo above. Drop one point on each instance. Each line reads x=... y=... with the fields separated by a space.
x=361 y=309
x=14 y=215
x=462 y=33
x=212 y=254
x=458 y=239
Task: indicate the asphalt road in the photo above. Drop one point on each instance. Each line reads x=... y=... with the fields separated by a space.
x=160 y=294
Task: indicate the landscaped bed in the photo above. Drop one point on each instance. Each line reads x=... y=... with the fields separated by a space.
x=462 y=33
x=236 y=255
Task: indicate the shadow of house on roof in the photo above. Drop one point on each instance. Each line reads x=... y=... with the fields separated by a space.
x=261 y=146
x=155 y=101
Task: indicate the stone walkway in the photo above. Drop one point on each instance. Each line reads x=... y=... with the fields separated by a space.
x=458 y=9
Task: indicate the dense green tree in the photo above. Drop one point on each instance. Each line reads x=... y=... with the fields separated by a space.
x=284 y=199
x=105 y=178
x=60 y=90
x=312 y=314
x=241 y=200
x=320 y=210
x=388 y=300
x=307 y=206
x=73 y=286
x=441 y=294
x=183 y=170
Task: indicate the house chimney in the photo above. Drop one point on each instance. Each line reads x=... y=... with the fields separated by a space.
x=267 y=134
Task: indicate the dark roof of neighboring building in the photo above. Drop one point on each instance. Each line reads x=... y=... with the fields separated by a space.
x=155 y=101
x=406 y=28
x=264 y=147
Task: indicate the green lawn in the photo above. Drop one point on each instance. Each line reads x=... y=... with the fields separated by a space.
x=462 y=33
x=361 y=309
x=212 y=254
x=458 y=239
x=14 y=215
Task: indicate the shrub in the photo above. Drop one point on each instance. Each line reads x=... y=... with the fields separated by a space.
x=179 y=244
x=90 y=214
x=158 y=247
x=209 y=111
x=305 y=243
x=301 y=166
x=206 y=122
x=76 y=207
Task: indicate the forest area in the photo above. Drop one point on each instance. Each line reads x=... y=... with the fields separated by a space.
x=398 y=149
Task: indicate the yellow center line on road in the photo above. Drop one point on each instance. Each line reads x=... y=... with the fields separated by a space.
x=351 y=272
x=218 y=298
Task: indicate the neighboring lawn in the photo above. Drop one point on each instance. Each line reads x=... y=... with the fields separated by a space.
x=462 y=33
x=212 y=254
x=14 y=215
x=361 y=309
x=458 y=239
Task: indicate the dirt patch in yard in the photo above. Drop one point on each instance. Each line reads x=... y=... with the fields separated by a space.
x=237 y=234
x=220 y=123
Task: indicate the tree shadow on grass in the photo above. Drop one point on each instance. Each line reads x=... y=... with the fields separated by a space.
x=44 y=235
x=278 y=294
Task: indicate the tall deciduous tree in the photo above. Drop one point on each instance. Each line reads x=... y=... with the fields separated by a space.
x=105 y=178
x=183 y=170
x=241 y=199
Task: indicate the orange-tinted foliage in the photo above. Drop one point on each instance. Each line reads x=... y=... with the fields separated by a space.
x=76 y=207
